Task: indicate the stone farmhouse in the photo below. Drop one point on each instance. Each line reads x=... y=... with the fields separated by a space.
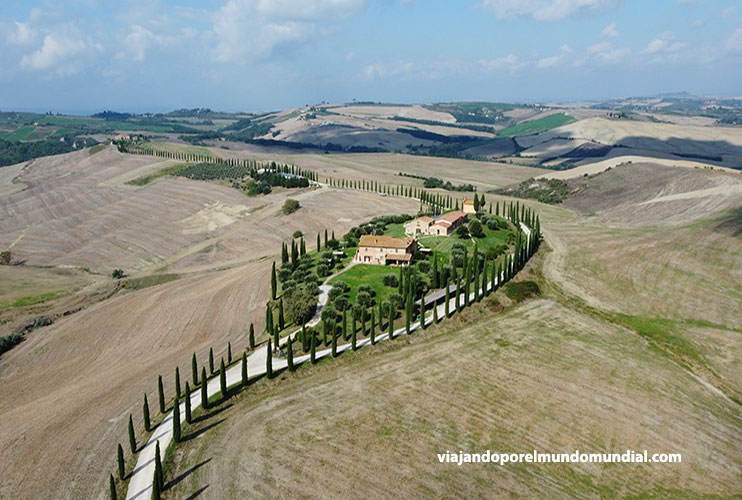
x=442 y=225
x=385 y=250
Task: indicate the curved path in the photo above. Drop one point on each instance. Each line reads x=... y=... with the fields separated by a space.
x=140 y=484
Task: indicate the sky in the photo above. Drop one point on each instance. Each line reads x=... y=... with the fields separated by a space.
x=84 y=56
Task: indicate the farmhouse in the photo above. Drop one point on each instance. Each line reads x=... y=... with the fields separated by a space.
x=468 y=206
x=442 y=225
x=383 y=250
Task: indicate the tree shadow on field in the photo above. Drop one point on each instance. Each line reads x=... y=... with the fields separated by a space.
x=197 y=492
x=187 y=473
x=195 y=434
x=212 y=413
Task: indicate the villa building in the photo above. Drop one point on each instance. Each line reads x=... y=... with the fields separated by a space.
x=442 y=225
x=385 y=250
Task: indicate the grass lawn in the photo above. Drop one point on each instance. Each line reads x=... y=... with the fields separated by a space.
x=146 y=179
x=396 y=230
x=537 y=126
x=367 y=274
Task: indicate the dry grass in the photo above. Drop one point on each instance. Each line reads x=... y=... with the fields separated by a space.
x=538 y=377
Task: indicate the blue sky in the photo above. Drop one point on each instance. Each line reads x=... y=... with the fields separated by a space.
x=156 y=55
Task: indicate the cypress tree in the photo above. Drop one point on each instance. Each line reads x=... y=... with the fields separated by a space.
x=132 y=437
x=448 y=300
x=422 y=313
x=290 y=353
x=353 y=338
x=458 y=295
x=188 y=403
x=304 y=341
x=391 y=321
x=252 y=336
x=303 y=247
x=373 y=327
x=177 y=382
x=352 y=325
x=313 y=348
x=211 y=360
x=161 y=394
x=229 y=353
x=269 y=361
x=120 y=459
x=408 y=313
x=158 y=479
x=145 y=414
x=334 y=345
x=275 y=336
x=274 y=284
x=435 y=272
x=318 y=243
x=284 y=253
x=176 y=420
x=345 y=325
x=204 y=390
x=244 y=370
x=381 y=316
x=435 y=312
x=325 y=238
x=112 y=487
x=223 y=379
x=280 y=314
x=194 y=369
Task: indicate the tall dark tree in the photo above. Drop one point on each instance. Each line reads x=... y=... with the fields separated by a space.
x=204 y=390
x=313 y=348
x=353 y=337
x=252 y=336
x=161 y=394
x=244 y=369
x=132 y=436
x=187 y=403
x=345 y=325
x=290 y=353
x=177 y=382
x=176 y=420
x=158 y=479
x=318 y=243
x=112 y=487
x=391 y=320
x=373 y=327
x=269 y=361
x=274 y=283
x=448 y=300
x=121 y=463
x=145 y=414
x=194 y=369
x=223 y=379
x=281 y=320
x=229 y=353
x=211 y=360
x=334 y=344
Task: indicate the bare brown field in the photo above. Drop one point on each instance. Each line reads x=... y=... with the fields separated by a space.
x=69 y=388
x=540 y=377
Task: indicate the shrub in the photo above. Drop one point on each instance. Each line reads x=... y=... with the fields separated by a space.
x=5 y=258
x=6 y=343
x=290 y=206
x=391 y=280
x=298 y=234
x=117 y=274
x=341 y=303
x=366 y=289
x=397 y=300
x=475 y=228
x=521 y=290
x=300 y=304
x=424 y=266
x=323 y=270
x=462 y=232
x=364 y=299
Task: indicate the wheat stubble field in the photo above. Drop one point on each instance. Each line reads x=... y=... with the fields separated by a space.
x=606 y=360
x=581 y=367
x=69 y=388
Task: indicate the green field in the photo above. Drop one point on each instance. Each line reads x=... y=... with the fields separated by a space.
x=20 y=134
x=146 y=179
x=533 y=127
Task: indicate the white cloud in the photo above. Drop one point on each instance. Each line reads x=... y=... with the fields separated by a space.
x=253 y=29
x=734 y=42
x=381 y=70
x=547 y=10
x=509 y=62
x=57 y=50
x=664 y=44
x=136 y=43
x=550 y=62
x=605 y=53
x=610 y=31
x=23 y=34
